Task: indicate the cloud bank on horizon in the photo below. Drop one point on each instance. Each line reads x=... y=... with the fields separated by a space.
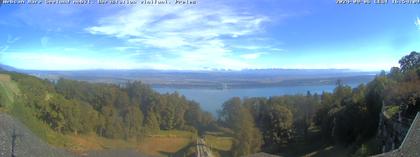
x=209 y=35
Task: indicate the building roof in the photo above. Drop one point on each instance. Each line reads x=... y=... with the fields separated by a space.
x=410 y=147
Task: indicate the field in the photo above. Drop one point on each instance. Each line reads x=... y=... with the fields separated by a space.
x=164 y=146
x=161 y=143
x=219 y=143
x=168 y=143
x=82 y=143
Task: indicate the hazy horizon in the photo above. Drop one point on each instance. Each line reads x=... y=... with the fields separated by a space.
x=196 y=70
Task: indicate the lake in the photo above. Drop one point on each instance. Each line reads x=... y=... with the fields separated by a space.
x=211 y=100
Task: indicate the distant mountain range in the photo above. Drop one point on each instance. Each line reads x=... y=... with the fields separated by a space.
x=8 y=68
x=209 y=79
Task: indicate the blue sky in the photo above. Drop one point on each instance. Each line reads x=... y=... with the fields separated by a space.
x=213 y=34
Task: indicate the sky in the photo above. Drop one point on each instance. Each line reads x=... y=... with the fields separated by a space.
x=209 y=35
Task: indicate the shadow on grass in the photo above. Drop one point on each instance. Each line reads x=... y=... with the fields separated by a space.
x=311 y=146
x=301 y=149
x=222 y=153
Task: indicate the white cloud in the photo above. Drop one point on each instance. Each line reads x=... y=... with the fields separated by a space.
x=194 y=36
x=164 y=42
x=171 y=21
x=417 y=22
x=252 y=55
x=44 y=41
x=259 y=47
x=11 y=39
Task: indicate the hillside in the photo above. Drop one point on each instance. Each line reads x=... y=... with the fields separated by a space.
x=67 y=115
x=8 y=90
x=26 y=142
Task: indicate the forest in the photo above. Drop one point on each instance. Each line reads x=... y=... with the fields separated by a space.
x=73 y=107
x=347 y=116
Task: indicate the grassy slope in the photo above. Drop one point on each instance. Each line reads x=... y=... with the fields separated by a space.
x=163 y=143
x=391 y=110
x=8 y=90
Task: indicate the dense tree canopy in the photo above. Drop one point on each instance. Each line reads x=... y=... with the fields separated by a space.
x=247 y=138
x=108 y=110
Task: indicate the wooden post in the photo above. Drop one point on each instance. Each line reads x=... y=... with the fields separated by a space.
x=14 y=138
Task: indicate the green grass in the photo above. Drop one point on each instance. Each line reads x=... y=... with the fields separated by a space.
x=219 y=142
x=391 y=110
x=42 y=130
x=162 y=143
x=165 y=146
x=8 y=90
